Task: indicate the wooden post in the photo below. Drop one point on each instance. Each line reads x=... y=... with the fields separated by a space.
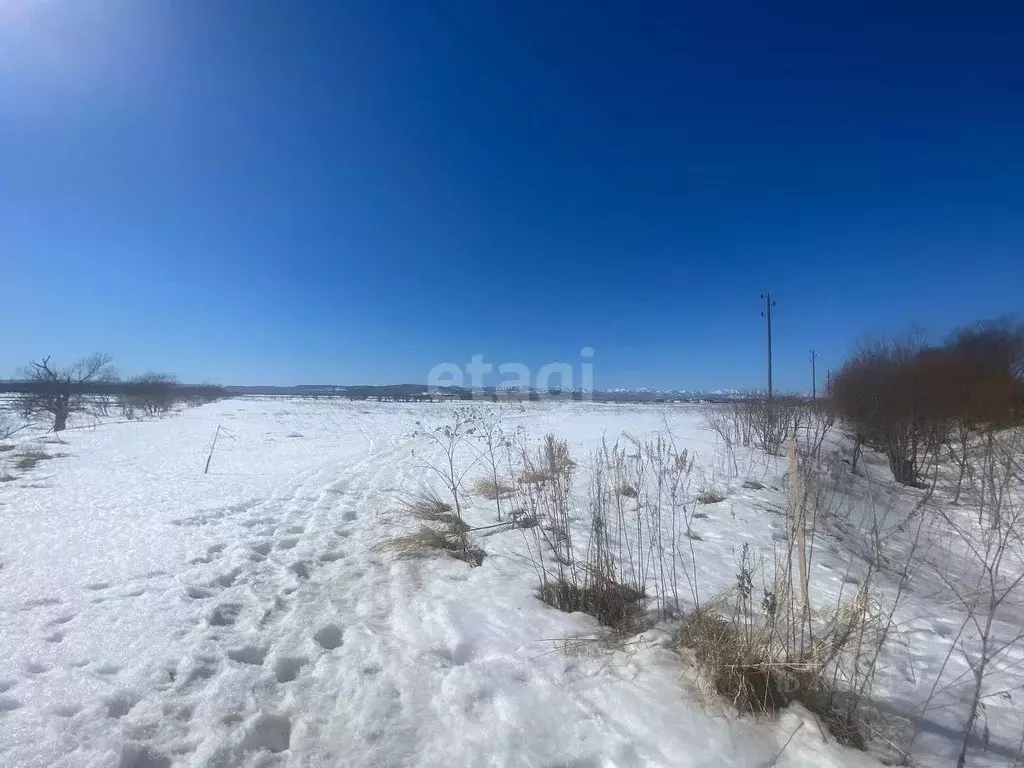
x=214 y=445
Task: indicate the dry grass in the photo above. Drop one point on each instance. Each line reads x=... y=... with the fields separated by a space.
x=552 y=462
x=628 y=490
x=534 y=476
x=431 y=509
x=710 y=496
x=557 y=456
x=441 y=530
x=29 y=458
x=735 y=664
x=492 y=490
x=614 y=605
x=428 y=540
x=753 y=664
x=741 y=671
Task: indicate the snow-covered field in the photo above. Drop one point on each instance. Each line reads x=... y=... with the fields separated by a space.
x=153 y=615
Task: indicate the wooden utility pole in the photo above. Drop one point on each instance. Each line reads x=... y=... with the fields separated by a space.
x=767 y=314
x=814 y=376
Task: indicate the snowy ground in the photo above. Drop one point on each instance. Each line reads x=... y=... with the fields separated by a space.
x=152 y=615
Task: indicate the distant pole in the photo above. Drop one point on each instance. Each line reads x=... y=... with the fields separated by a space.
x=828 y=383
x=814 y=376
x=767 y=314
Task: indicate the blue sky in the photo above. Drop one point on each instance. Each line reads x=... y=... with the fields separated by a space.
x=250 y=191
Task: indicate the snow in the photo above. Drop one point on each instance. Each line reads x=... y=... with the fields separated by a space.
x=153 y=615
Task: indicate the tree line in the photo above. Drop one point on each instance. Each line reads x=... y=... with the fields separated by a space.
x=93 y=385
x=910 y=399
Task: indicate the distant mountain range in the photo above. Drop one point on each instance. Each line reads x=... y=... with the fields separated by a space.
x=416 y=391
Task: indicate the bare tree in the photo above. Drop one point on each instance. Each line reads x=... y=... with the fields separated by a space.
x=60 y=392
x=151 y=394
x=988 y=579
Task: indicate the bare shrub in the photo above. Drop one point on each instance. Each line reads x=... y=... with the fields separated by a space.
x=594 y=584
x=762 y=655
x=757 y=421
x=61 y=392
x=635 y=547
x=767 y=641
x=988 y=580
x=495 y=444
x=909 y=399
x=450 y=438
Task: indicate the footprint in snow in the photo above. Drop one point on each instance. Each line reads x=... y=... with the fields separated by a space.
x=349 y=515
x=211 y=554
x=96 y=586
x=107 y=669
x=7 y=704
x=206 y=669
x=198 y=593
x=36 y=667
x=227 y=579
x=270 y=732
x=41 y=602
x=286 y=668
x=224 y=615
x=263 y=548
x=295 y=529
x=248 y=654
x=330 y=557
x=300 y=569
x=119 y=705
x=288 y=543
x=65 y=710
x=54 y=637
x=279 y=605
x=139 y=756
x=328 y=637
x=181 y=712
